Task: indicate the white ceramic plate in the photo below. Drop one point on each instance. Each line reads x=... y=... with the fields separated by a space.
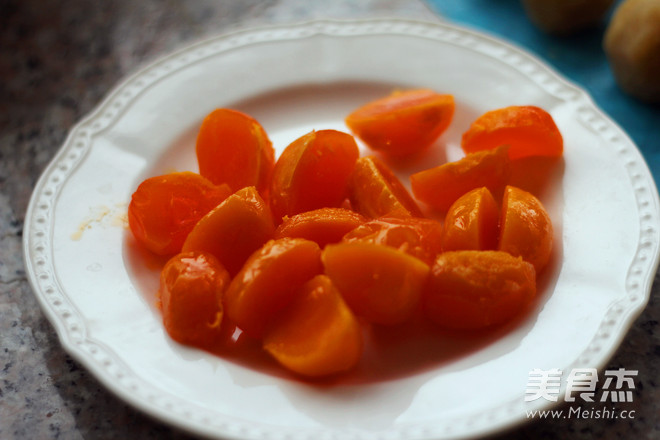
x=99 y=293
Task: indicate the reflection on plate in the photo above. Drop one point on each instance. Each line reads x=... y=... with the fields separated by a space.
x=99 y=294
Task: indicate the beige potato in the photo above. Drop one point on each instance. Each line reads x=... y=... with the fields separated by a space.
x=563 y=17
x=632 y=45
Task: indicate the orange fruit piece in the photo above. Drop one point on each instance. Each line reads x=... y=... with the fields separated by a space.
x=190 y=293
x=472 y=222
x=233 y=148
x=234 y=229
x=525 y=228
x=536 y=174
x=379 y=283
x=403 y=123
x=374 y=191
x=312 y=173
x=419 y=237
x=528 y=130
x=441 y=186
x=317 y=334
x=323 y=226
x=268 y=281
x=164 y=209
x=471 y=290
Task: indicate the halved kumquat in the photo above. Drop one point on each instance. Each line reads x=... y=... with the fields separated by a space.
x=312 y=173
x=233 y=230
x=379 y=283
x=403 y=123
x=525 y=228
x=472 y=222
x=317 y=334
x=191 y=288
x=233 y=148
x=323 y=226
x=375 y=191
x=441 y=186
x=527 y=129
x=164 y=209
x=472 y=290
x=268 y=282
x=419 y=237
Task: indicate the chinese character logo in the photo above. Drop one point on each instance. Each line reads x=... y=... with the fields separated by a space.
x=623 y=386
x=543 y=383
x=582 y=383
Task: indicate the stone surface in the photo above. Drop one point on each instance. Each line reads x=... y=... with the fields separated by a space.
x=59 y=59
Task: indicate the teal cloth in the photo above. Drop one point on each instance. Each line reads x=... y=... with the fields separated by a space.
x=579 y=57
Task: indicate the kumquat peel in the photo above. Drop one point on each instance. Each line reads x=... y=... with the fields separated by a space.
x=308 y=253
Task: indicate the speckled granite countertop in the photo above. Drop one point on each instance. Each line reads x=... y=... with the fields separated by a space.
x=58 y=60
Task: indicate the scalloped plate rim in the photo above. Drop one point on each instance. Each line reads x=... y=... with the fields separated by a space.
x=325 y=27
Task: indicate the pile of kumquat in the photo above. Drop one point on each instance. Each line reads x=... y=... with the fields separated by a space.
x=304 y=251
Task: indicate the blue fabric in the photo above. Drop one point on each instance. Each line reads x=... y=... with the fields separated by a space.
x=580 y=58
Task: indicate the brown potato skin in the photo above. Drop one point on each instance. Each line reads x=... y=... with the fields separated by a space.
x=563 y=17
x=632 y=45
